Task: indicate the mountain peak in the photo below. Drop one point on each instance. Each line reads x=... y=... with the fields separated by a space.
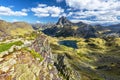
x=63 y=21
x=63 y=17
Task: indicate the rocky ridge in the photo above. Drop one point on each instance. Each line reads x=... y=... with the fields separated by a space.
x=29 y=63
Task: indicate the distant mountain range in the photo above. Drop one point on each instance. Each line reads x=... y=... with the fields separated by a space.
x=66 y=28
x=63 y=28
x=41 y=26
x=12 y=29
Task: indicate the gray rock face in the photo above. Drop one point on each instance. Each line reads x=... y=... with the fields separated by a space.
x=41 y=45
x=66 y=28
x=64 y=21
x=65 y=69
x=48 y=70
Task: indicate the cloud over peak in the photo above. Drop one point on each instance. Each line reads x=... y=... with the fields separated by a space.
x=42 y=10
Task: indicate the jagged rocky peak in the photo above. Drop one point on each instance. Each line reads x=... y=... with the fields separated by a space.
x=63 y=21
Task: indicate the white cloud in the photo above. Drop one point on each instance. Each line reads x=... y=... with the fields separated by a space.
x=102 y=10
x=15 y=20
x=59 y=1
x=25 y=10
x=44 y=11
x=11 y=6
x=6 y=11
x=99 y=15
x=42 y=5
x=37 y=21
x=64 y=14
x=94 y=4
x=95 y=22
x=42 y=15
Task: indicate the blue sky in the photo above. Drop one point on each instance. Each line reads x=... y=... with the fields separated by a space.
x=35 y=11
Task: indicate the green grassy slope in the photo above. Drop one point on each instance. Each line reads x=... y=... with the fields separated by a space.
x=94 y=59
x=6 y=46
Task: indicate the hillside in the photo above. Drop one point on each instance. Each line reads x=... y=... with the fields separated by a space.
x=88 y=59
x=13 y=29
x=21 y=28
x=4 y=28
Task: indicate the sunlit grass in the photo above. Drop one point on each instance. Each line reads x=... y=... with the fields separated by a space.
x=36 y=55
x=91 y=53
x=6 y=46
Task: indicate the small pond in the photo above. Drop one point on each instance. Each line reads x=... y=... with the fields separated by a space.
x=69 y=43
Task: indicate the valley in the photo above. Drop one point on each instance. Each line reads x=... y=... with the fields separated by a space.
x=93 y=60
x=63 y=51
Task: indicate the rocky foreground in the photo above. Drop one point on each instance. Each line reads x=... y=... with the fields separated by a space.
x=31 y=62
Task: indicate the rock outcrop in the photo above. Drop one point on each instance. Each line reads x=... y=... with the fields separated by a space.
x=63 y=21
x=65 y=69
x=29 y=63
x=49 y=71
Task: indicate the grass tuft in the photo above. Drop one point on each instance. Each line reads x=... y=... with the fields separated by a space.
x=6 y=46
